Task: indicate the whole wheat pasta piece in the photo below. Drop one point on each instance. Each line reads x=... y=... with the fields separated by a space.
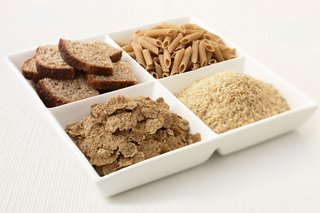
x=185 y=60
x=195 y=51
x=154 y=41
x=156 y=59
x=161 y=38
x=132 y=55
x=179 y=28
x=139 y=32
x=173 y=55
x=163 y=66
x=188 y=66
x=228 y=55
x=165 y=74
x=159 y=26
x=190 y=37
x=175 y=43
x=221 y=46
x=218 y=55
x=148 y=45
x=155 y=75
x=149 y=68
x=195 y=66
x=220 y=41
x=190 y=26
x=160 y=32
x=158 y=69
x=134 y=38
x=208 y=56
x=177 y=61
x=202 y=54
x=166 y=42
x=212 y=61
x=147 y=57
x=167 y=58
x=210 y=36
x=122 y=43
x=188 y=32
x=229 y=50
x=138 y=53
x=127 y=48
x=160 y=51
x=180 y=46
x=209 y=47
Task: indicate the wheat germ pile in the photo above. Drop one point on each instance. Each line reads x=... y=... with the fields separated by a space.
x=232 y=99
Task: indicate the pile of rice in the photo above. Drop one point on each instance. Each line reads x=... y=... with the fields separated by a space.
x=230 y=99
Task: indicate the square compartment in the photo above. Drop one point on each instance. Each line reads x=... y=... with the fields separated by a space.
x=157 y=167
x=301 y=107
x=126 y=34
x=16 y=61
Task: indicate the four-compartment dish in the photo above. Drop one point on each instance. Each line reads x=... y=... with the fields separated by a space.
x=301 y=107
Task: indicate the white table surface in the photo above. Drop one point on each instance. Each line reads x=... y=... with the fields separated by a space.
x=37 y=174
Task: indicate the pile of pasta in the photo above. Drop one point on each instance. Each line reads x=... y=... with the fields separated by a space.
x=169 y=49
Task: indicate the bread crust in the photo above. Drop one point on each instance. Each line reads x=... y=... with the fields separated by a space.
x=82 y=65
x=47 y=97
x=108 y=85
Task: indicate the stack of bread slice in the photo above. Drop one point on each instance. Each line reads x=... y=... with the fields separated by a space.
x=75 y=70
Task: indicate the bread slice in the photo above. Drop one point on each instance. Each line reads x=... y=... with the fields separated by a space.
x=122 y=77
x=50 y=64
x=55 y=92
x=29 y=69
x=93 y=57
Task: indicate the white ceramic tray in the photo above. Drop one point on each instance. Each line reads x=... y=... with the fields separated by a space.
x=301 y=107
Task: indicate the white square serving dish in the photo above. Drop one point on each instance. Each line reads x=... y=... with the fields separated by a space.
x=301 y=108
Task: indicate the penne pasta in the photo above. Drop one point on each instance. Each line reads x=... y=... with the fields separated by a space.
x=158 y=69
x=218 y=55
x=185 y=60
x=167 y=40
x=156 y=59
x=148 y=45
x=177 y=61
x=168 y=49
x=195 y=51
x=132 y=55
x=167 y=58
x=195 y=66
x=138 y=53
x=212 y=61
x=139 y=32
x=164 y=75
x=228 y=55
x=180 y=46
x=147 y=57
x=163 y=66
x=175 y=43
x=202 y=54
x=160 y=32
x=127 y=48
x=155 y=75
x=208 y=56
x=155 y=42
x=190 y=37
x=209 y=47
x=210 y=36
x=122 y=43
x=194 y=31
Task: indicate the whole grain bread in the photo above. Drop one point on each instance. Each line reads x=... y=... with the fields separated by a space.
x=29 y=69
x=50 y=64
x=122 y=77
x=55 y=92
x=93 y=57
